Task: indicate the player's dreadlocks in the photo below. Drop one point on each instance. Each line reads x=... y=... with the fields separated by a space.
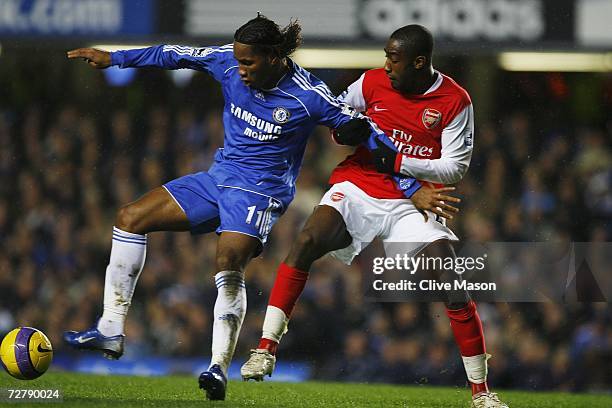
x=267 y=37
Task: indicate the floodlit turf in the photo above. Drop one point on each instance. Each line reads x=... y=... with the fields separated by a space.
x=80 y=390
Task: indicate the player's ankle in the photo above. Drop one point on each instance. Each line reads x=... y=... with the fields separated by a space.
x=111 y=324
x=267 y=344
x=479 y=388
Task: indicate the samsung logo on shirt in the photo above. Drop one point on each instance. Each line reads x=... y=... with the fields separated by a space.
x=264 y=130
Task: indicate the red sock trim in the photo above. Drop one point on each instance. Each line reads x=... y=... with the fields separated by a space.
x=287 y=288
x=478 y=388
x=467 y=328
x=268 y=344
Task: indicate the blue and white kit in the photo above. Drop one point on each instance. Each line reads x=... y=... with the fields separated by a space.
x=252 y=180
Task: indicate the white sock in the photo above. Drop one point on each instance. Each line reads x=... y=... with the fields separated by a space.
x=476 y=368
x=126 y=261
x=230 y=308
x=275 y=324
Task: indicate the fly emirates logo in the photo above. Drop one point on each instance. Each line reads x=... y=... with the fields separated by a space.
x=260 y=129
x=402 y=141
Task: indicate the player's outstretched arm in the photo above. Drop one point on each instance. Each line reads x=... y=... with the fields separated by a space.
x=435 y=200
x=98 y=59
x=158 y=56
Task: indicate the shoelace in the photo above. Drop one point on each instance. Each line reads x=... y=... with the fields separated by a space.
x=494 y=397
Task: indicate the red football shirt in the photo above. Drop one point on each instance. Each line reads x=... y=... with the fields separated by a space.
x=434 y=132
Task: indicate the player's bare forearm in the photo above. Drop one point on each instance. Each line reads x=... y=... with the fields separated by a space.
x=435 y=200
x=98 y=59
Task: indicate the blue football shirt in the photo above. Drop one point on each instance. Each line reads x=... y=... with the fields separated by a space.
x=266 y=130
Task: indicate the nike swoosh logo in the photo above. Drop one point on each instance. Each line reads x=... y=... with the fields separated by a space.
x=83 y=340
x=43 y=350
x=377 y=109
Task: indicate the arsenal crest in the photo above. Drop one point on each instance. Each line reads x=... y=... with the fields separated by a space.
x=431 y=118
x=337 y=196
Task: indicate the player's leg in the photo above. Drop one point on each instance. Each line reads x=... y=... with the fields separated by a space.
x=342 y=224
x=234 y=251
x=411 y=234
x=467 y=328
x=324 y=231
x=155 y=211
x=160 y=209
x=246 y=220
x=465 y=321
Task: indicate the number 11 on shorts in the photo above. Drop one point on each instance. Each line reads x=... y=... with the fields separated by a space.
x=249 y=217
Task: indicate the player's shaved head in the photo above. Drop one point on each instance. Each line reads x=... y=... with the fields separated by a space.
x=408 y=64
x=415 y=40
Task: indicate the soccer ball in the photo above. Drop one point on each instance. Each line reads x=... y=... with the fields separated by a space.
x=26 y=353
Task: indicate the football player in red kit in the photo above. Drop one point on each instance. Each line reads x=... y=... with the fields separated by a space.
x=429 y=120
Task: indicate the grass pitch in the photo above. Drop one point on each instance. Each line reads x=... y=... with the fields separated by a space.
x=81 y=390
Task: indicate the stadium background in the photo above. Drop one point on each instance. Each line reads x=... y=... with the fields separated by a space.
x=75 y=144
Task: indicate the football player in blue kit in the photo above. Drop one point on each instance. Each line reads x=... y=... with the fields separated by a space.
x=271 y=107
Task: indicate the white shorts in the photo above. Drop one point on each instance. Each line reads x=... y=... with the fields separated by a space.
x=392 y=220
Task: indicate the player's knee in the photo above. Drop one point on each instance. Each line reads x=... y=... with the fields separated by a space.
x=307 y=248
x=129 y=220
x=306 y=242
x=231 y=260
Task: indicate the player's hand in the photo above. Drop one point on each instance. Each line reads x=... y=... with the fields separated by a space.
x=386 y=159
x=96 y=58
x=435 y=200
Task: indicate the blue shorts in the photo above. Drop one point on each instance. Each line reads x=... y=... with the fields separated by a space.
x=210 y=207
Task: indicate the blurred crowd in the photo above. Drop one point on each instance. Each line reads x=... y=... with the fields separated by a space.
x=66 y=167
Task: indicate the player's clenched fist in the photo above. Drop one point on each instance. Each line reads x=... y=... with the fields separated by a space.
x=96 y=58
x=385 y=158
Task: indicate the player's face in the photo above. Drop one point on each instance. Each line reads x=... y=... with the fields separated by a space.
x=255 y=69
x=401 y=68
